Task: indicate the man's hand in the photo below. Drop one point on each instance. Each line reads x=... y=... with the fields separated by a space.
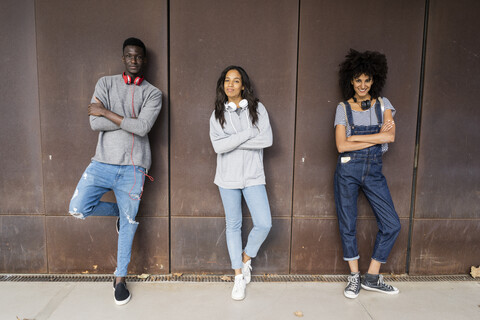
x=96 y=109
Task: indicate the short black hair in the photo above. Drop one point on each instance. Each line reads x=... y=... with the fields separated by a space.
x=134 y=42
x=369 y=63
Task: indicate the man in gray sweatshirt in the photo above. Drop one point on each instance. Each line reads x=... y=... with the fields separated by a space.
x=123 y=109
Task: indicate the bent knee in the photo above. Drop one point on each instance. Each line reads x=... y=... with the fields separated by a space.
x=394 y=230
x=398 y=228
x=264 y=227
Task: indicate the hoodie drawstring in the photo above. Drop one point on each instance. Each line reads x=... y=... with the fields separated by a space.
x=246 y=117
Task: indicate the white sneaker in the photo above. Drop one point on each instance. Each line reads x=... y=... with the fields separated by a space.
x=238 y=292
x=247 y=271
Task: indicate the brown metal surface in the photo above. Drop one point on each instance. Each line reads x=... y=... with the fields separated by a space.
x=199 y=246
x=90 y=245
x=150 y=247
x=444 y=246
x=325 y=38
x=21 y=187
x=448 y=171
x=22 y=244
x=79 y=42
x=448 y=184
x=47 y=142
x=203 y=43
x=317 y=248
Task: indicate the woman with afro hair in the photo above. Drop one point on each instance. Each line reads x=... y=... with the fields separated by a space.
x=363 y=128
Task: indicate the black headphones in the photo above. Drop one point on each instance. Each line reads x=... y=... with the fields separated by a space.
x=365 y=105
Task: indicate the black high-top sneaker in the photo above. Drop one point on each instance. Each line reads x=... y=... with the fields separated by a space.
x=374 y=282
x=353 y=287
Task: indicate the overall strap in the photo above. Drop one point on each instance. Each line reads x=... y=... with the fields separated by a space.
x=348 y=114
x=379 y=109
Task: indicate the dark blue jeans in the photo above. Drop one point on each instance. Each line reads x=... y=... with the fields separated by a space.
x=363 y=170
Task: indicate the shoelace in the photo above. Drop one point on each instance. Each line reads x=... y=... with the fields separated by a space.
x=381 y=283
x=353 y=282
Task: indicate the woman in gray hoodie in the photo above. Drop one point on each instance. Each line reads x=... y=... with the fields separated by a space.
x=239 y=131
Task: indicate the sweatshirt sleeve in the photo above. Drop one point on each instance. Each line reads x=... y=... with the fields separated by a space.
x=147 y=116
x=265 y=137
x=102 y=123
x=222 y=142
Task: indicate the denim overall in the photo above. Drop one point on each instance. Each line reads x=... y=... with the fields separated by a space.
x=362 y=169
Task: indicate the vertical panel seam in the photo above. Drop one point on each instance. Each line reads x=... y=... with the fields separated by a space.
x=41 y=139
x=169 y=145
x=294 y=140
x=417 y=137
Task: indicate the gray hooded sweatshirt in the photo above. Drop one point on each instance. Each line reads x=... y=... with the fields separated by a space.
x=121 y=144
x=239 y=146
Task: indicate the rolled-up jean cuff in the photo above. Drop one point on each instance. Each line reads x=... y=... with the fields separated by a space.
x=382 y=262
x=351 y=259
x=118 y=275
x=251 y=256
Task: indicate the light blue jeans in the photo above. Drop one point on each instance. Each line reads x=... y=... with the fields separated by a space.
x=257 y=202
x=127 y=184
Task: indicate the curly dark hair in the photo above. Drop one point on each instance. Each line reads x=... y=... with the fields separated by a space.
x=369 y=63
x=247 y=94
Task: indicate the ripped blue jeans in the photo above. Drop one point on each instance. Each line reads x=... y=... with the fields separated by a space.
x=127 y=185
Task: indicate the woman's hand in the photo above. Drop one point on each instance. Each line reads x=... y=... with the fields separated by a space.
x=387 y=125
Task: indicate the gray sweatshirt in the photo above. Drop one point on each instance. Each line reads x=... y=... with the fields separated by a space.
x=239 y=147
x=115 y=142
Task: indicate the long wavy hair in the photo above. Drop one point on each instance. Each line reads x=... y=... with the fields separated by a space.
x=247 y=93
x=370 y=63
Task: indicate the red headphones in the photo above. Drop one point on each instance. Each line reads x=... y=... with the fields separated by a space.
x=128 y=79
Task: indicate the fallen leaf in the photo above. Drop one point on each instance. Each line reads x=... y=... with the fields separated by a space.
x=95 y=267
x=298 y=313
x=85 y=272
x=143 y=276
x=226 y=278
x=475 y=272
x=177 y=274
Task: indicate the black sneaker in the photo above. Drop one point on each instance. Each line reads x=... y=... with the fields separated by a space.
x=117 y=225
x=122 y=295
x=374 y=282
x=353 y=287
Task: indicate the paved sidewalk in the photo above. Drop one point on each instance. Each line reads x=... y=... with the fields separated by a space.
x=265 y=301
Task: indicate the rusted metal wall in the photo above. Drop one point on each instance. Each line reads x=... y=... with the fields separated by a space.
x=446 y=229
x=22 y=224
x=77 y=43
x=207 y=36
x=327 y=31
x=54 y=52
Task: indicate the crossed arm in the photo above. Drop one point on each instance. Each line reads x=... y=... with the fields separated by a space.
x=258 y=137
x=222 y=142
x=97 y=109
x=103 y=119
x=359 y=142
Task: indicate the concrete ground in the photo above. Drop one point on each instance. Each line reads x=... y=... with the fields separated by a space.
x=264 y=300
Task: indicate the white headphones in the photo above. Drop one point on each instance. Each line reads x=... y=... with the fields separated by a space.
x=231 y=106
